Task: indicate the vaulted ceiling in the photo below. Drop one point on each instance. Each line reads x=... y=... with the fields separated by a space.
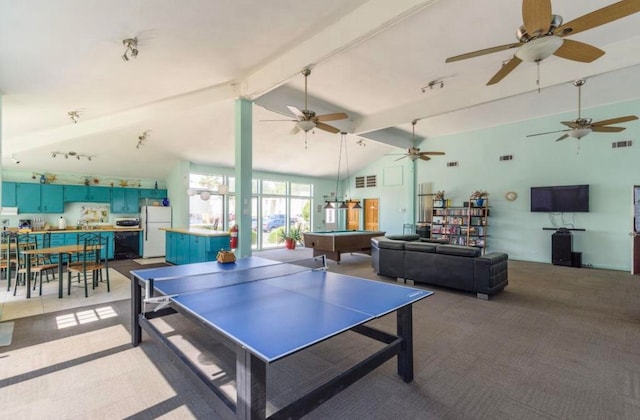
x=370 y=59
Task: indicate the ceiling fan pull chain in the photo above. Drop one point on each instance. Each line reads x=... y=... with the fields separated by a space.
x=538 y=74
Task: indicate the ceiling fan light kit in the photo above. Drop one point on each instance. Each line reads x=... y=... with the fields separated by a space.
x=580 y=127
x=307 y=120
x=539 y=48
x=542 y=35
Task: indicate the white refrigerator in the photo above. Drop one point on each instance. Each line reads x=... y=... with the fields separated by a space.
x=152 y=219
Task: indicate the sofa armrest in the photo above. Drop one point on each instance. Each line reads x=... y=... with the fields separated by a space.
x=491 y=272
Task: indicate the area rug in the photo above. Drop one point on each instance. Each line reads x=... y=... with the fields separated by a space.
x=6 y=333
x=13 y=307
x=147 y=261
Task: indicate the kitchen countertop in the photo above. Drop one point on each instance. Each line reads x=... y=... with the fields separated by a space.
x=75 y=230
x=197 y=232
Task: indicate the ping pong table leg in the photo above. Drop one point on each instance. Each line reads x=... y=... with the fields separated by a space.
x=251 y=379
x=405 y=331
x=136 y=310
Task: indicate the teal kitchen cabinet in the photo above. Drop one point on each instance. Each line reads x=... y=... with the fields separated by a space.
x=197 y=249
x=183 y=250
x=189 y=248
x=170 y=244
x=9 y=194
x=84 y=193
x=177 y=248
x=28 y=198
x=51 y=198
x=152 y=193
x=39 y=198
x=125 y=200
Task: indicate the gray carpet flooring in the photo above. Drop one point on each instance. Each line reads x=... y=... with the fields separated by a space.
x=558 y=343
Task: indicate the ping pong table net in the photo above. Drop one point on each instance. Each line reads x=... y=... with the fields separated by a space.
x=208 y=281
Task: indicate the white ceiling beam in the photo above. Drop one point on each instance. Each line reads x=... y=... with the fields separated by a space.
x=363 y=23
x=553 y=71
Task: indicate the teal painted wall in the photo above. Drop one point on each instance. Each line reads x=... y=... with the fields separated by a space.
x=537 y=161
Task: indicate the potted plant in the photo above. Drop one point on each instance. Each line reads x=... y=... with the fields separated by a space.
x=479 y=196
x=290 y=238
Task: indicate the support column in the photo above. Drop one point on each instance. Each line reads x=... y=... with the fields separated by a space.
x=243 y=173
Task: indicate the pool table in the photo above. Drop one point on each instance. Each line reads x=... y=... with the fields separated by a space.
x=333 y=243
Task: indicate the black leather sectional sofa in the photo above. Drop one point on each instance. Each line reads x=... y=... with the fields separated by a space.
x=458 y=267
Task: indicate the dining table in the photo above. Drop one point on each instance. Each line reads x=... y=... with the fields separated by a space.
x=61 y=251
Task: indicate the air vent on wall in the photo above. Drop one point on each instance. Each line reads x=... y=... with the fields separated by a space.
x=624 y=143
x=449 y=164
x=506 y=157
x=368 y=181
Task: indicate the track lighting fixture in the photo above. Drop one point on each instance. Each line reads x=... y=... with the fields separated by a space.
x=141 y=138
x=131 y=45
x=431 y=84
x=72 y=154
x=74 y=115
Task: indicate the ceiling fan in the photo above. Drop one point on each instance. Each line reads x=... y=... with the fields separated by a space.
x=413 y=152
x=306 y=120
x=542 y=34
x=580 y=127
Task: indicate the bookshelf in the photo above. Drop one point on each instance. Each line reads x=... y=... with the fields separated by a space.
x=463 y=225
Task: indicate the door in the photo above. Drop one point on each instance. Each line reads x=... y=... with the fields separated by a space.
x=635 y=234
x=353 y=217
x=371 y=214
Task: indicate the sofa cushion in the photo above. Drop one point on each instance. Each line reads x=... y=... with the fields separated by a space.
x=435 y=241
x=459 y=250
x=386 y=243
x=420 y=246
x=403 y=237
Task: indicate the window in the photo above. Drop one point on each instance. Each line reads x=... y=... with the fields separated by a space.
x=206 y=206
x=275 y=206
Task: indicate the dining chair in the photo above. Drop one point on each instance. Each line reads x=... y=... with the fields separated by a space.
x=40 y=263
x=91 y=261
x=8 y=257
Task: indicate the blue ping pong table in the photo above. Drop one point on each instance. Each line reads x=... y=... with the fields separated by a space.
x=269 y=310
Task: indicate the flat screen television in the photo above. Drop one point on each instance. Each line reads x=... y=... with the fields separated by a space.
x=560 y=199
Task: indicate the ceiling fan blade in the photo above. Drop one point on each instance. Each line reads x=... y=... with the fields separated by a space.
x=327 y=127
x=331 y=117
x=614 y=121
x=505 y=70
x=578 y=51
x=295 y=111
x=294 y=130
x=424 y=157
x=431 y=153
x=602 y=129
x=599 y=17
x=562 y=137
x=571 y=124
x=548 y=132
x=482 y=52
x=536 y=15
